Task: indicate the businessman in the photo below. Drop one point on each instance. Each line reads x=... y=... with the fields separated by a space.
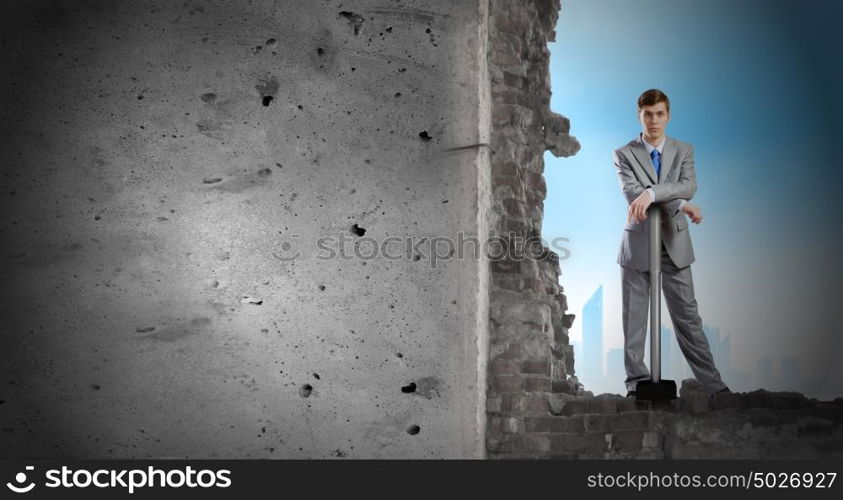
x=656 y=169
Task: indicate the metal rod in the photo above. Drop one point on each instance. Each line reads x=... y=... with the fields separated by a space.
x=655 y=293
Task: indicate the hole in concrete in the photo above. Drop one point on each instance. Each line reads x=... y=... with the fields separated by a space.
x=322 y=288
x=409 y=388
x=320 y=51
x=359 y=231
x=354 y=20
x=208 y=97
x=413 y=430
x=264 y=172
x=305 y=390
x=316 y=376
x=424 y=136
x=267 y=99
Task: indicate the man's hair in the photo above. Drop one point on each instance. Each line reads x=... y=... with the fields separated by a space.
x=652 y=97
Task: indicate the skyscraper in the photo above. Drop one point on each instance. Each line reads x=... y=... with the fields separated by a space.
x=765 y=374
x=791 y=373
x=592 y=339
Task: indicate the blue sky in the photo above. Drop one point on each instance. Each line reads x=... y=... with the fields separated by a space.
x=754 y=86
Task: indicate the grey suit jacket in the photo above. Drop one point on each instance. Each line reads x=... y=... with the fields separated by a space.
x=677 y=181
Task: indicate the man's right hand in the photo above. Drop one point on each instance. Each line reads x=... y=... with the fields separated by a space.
x=694 y=212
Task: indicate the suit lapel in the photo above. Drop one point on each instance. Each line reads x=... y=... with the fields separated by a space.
x=668 y=155
x=640 y=153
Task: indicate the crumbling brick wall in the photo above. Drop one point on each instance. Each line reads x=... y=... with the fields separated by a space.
x=535 y=406
x=529 y=351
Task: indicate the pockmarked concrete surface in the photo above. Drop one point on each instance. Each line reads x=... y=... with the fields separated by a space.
x=167 y=171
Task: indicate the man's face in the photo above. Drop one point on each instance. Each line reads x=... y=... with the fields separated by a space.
x=654 y=120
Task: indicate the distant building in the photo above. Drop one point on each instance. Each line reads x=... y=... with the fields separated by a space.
x=592 y=334
x=764 y=376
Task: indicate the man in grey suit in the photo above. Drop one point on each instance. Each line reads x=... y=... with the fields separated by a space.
x=656 y=169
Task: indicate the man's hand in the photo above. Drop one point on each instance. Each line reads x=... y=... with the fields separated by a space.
x=638 y=208
x=694 y=212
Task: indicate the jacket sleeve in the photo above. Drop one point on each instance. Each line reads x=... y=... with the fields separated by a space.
x=630 y=185
x=685 y=187
x=632 y=188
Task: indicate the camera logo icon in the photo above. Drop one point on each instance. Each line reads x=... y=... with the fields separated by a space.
x=20 y=478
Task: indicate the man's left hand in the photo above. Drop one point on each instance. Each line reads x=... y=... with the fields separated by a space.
x=638 y=208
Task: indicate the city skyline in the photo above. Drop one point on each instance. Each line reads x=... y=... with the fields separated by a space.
x=756 y=94
x=601 y=368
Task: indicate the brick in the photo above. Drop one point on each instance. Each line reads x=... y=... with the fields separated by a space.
x=603 y=405
x=534 y=284
x=537 y=182
x=529 y=403
x=631 y=420
x=513 y=80
x=513 y=351
x=536 y=443
x=627 y=440
x=575 y=407
x=495 y=424
x=504 y=169
x=554 y=424
x=536 y=367
x=512 y=425
x=506 y=266
x=507 y=401
x=558 y=371
x=513 y=183
x=532 y=325
x=631 y=404
x=509 y=383
x=537 y=384
x=652 y=440
x=514 y=96
x=504 y=444
x=563 y=301
x=507 y=282
x=516 y=225
x=503 y=366
x=521 y=445
x=567 y=442
x=494 y=403
x=513 y=207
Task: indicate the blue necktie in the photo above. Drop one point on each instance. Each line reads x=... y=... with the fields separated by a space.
x=657 y=161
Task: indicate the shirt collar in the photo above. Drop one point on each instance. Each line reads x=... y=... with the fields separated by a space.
x=650 y=148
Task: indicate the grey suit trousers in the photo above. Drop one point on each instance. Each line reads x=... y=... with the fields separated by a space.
x=678 y=290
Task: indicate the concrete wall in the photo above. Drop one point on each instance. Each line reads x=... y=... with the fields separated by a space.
x=160 y=163
x=536 y=406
